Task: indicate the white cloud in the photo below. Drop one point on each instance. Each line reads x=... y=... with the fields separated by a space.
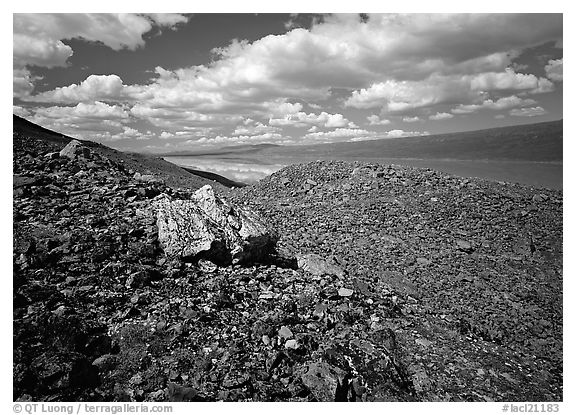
x=411 y=119
x=31 y=50
x=97 y=121
x=400 y=96
x=392 y=134
x=302 y=119
x=396 y=63
x=41 y=33
x=402 y=133
x=20 y=111
x=255 y=129
x=528 y=112
x=344 y=52
x=93 y=88
x=339 y=134
x=166 y=135
x=500 y=104
x=554 y=69
x=242 y=139
x=97 y=110
x=441 y=116
x=37 y=38
x=22 y=82
x=375 y=120
x=509 y=80
x=167 y=19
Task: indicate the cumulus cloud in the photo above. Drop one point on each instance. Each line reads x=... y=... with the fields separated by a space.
x=255 y=129
x=302 y=119
x=22 y=83
x=42 y=32
x=30 y=50
x=93 y=88
x=411 y=119
x=38 y=38
x=242 y=139
x=528 y=112
x=402 y=133
x=167 y=19
x=510 y=80
x=554 y=69
x=348 y=52
x=500 y=104
x=392 y=134
x=395 y=63
x=97 y=120
x=340 y=134
x=375 y=120
x=400 y=96
x=441 y=116
x=97 y=110
x=20 y=111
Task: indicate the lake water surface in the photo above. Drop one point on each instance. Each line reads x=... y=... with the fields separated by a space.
x=252 y=169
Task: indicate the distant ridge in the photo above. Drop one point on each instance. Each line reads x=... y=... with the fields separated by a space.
x=238 y=149
x=528 y=142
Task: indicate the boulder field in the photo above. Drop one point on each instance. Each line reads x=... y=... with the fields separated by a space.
x=329 y=281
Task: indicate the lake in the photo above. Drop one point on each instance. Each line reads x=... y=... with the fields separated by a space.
x=251 y=169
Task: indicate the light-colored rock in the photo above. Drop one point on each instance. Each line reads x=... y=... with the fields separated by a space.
x=423 y=261
x=345 y=292
x=148 y=178
x=210 y=226
x=464 y=245
x=316 y=265
x=291 y=344
x=285 y=333
x=73 y=149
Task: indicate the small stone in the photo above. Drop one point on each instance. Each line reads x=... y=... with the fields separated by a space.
x=207 y=266
x=52 y=155
x=104 y=362
x=320 y=310
x=464 y=246
x=423 y=342
x=345 y=292
x=291 y=344
x=423 y=261
x=266 y=340
x=316 y=265
x=285 y=333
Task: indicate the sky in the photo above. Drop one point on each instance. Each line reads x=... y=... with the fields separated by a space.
x=173 y=82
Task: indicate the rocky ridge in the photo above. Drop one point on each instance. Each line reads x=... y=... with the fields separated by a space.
x=398 y=284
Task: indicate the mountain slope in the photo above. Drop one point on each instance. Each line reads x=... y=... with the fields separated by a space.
x=25 y=131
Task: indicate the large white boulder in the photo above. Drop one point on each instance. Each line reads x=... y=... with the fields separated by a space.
x=206 y=226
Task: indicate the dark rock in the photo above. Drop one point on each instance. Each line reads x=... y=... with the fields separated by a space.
x=324 y=381
x=178 y=393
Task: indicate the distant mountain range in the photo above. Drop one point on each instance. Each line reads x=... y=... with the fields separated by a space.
x=238 y=149
x=532 y=142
